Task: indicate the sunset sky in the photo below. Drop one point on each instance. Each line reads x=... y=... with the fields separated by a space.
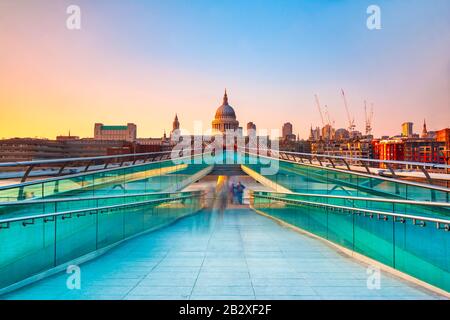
x=143 y=61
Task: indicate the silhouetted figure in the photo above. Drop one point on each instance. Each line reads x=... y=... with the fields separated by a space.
x=240 y=192
x=233 y=196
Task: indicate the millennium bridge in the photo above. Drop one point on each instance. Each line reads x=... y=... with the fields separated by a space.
x=143 y=226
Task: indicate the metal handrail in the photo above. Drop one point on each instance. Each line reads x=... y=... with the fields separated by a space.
x=382 y=213
x=395 y=201
x=369 y=175
x=62 y=213
x=30 y=165
x=62 y=160
x=75 y=175
x=423 y=164
x=128 y=195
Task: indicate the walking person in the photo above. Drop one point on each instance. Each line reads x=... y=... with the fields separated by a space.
x=222 y=190
x=240 y=192
x=233 y=193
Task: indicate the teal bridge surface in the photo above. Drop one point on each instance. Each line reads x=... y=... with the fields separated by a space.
x=153 y=230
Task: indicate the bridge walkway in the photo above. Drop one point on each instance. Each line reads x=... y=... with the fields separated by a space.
x=235 y=255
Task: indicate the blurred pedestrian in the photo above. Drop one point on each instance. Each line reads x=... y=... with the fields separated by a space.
x=240 y=192
x=233 y=199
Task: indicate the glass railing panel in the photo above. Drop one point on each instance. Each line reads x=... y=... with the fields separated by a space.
x=25 y=192
x=341 y=183
x=67 y=187
x=75 y=236
x=24 y=209
x=288 y=180
x=317 y=221
x=110 y=227
x=9 y=195
x=150 y=177
x=27 y=208
x=374 y=238
x=304 y=178
x=375 y=205
x=340 y=228
x=289 y=213
x=423 y=252
x=424 y=194
x=148 y=216
x=338 y=201
x=417 y=247
x=427 y=211
x=25 y=249
x=317 y=182
x=33 y=245
x=109 y=182
x=391 y=188
x=142 y=178
x=364 y=183
x=62 y=206
x=133 y=221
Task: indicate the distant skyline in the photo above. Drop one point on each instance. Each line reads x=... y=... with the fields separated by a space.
x=144 y=61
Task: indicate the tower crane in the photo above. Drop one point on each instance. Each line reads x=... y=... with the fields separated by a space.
x=328 y=118
x=320 y=109
x=351 y=122
x=369 y=118
x=328 y=131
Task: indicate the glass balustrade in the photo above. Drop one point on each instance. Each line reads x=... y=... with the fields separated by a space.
x=140 y=178
x=303 y=178
x=29 y=246
x=418 y=246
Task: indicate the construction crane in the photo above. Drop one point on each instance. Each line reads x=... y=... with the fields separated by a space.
x=328 y=131
x=328 y=118
x=351 y=122
x=369 y=118
x=320 y=109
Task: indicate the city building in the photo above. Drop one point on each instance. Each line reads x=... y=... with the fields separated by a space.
x=26 y=149
x=175 y=124
x=106 y=132
x=315 y=134
x=349 y=148
x=328 y=132
x=225 y=118
x=303 y=146
x=342 y=134
x=407 y=129
x=287 y=134
x=154 y=144
x=355 y=134
x=108 y=140
x=424 y=133
x=88 y=147
x=424 y=150
x=390 y=149
x=375 y=148
x=67 y=138
x=443 y=136
x=412 y=149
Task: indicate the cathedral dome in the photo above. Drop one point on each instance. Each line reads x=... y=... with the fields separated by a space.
x=225 y=118
x=225 y=111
